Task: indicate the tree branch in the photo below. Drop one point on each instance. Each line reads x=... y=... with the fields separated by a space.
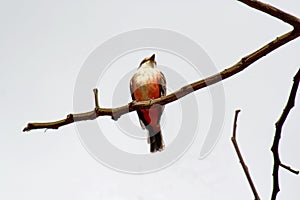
x=275 y=12
x=96 y=97
x=236 y=147
x=277 y=162
x=115 y=113
x=289 y=168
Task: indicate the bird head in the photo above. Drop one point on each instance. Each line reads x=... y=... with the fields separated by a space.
x=149 y=61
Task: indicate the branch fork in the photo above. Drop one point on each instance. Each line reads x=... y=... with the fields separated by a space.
x=275 y=147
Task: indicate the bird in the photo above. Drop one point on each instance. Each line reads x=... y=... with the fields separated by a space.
x=149 y=83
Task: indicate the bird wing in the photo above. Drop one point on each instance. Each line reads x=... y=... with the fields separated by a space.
x=162 y=84
x=163 y=88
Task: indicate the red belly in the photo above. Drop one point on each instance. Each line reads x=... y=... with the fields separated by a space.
x=146 y=92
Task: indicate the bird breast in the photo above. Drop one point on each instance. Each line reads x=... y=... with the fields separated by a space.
x=146 y=84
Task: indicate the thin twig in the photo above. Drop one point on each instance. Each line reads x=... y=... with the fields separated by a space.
x=289 y=168
x=96 y=97
x=115 y=113
x=277 y=162
x=236 y=147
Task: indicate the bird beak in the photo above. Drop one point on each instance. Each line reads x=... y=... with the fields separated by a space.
x=152 y=58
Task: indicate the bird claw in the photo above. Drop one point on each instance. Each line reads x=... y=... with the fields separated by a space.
x=150 y=101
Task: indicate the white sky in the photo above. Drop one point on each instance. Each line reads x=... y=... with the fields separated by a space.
x=43 y=46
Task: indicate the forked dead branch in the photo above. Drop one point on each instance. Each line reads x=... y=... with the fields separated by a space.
x=275 y=147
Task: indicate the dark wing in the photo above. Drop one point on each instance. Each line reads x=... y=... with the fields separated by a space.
x=162 y=85
x=163 y=90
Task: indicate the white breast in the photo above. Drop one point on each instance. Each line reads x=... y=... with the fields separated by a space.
x=145 y=76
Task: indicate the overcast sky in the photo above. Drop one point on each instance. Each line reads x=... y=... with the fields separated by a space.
x=44 y=45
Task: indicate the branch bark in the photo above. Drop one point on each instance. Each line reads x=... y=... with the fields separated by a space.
x=115 y=113
x=275 y=12
x=277 y=162
x=245 y=168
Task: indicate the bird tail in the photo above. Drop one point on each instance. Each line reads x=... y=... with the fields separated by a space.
x=156 y=141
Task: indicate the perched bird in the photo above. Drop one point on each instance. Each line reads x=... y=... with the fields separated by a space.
x=149 y=83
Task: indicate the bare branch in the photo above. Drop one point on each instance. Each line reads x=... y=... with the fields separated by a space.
x=115 y=113
x=289 y=168
x=236 y=147
x=275 y=12
x=96 y=97
x=277 y=162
